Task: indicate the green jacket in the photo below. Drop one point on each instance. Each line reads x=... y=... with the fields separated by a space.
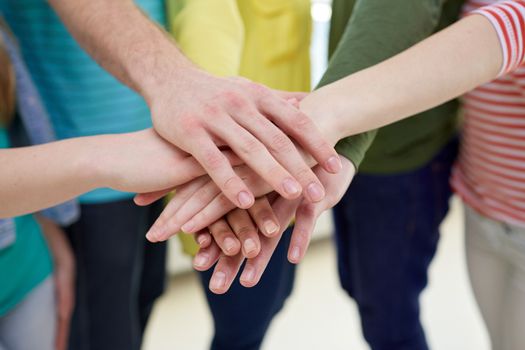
x=366 y=32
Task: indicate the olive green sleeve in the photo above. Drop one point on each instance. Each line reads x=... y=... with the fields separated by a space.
x=370 y=32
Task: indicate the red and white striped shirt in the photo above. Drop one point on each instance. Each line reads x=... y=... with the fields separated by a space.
x=490 y=172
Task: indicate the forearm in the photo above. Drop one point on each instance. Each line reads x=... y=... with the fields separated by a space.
x=442 y=67
x=123 y=41
x=368 y=32
x=38 y=177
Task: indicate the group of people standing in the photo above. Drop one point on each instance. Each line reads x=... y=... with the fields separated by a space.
x=96 y=74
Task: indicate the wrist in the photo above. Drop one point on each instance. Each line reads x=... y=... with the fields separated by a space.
x=162 y=73
x=95 y=164
x=321 y=106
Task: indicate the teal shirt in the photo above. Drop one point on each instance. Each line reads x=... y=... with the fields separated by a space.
x=24 y=264
x=82 y=98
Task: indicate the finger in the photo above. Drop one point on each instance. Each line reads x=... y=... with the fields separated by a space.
x=225 y=272
x=291 y=95
x=264 y=217
x=203 y=239
x=217 y=208
x=225 y=238
x=144 y=199
x=242 y=225
x=220 y=170
x=65 y=304
x=305 y=219
x=258 y=157
x=255 y=267
x=221 y=205
x=284 y=151
x=166 y=224
x=301 y=128
x=62 y=332
x=206 y=257
x=199 y=200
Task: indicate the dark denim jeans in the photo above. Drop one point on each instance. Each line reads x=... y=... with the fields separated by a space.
x=387 y=231
x=119 y=275
x=242 y=315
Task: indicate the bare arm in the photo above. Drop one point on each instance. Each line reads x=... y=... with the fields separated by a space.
x=197 y=111
x=37 y=177
x=444 y=66
x=441 y=67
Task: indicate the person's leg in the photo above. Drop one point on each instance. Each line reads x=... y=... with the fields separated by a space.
x=153 y=277
x=31 y=324
x=387 y=230
x=108 y=242
x=514 y=308
x=242 y=315
x=488 y=271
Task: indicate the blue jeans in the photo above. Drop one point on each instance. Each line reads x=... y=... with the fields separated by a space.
x=387 y=231
x=242 y=315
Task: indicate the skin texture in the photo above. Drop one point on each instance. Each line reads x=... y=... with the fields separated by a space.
x=415 y=80
x=442 y=67
x=134 y=162
x=306 y=213
x=199 y=112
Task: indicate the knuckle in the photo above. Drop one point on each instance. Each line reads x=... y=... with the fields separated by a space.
x=301 y=236
x=260 y=90
x=202 y=217
x=188 y=123
x=301 y=122
x=261 y=213
x=212 y=110
x=245 y=230
x=304 y=174
x=213 y=159
x=223 y=201
x=250 y=145
x=320 y=144
x=229 y=184
x=281 y=143
x=234 y=99
x=223 y=232
x=306 y=210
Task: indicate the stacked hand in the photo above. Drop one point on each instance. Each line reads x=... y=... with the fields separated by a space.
x=228 y=235
x=199 y=113
x=237 y=211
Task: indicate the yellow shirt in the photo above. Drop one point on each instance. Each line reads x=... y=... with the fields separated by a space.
x=267 y=41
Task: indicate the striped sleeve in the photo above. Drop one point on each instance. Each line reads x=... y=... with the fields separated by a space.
x=508 y=19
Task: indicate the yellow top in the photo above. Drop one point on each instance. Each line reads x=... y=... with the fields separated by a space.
x=267 y=41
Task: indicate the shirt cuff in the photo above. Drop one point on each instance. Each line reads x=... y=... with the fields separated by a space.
x=508 y=19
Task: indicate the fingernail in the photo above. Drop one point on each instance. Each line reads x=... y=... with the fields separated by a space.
x=229 y=245
x=315 y=191
x=151 y=236
x=296 y=254
x=201 y=260
x=249 y=246
x=291 y=187
x=334 y=164
x=154 y=234
x=271 y=227
x=188 y=227
x=248 y=274
x=245 y=199
x=201 y=240
x=218 y=280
